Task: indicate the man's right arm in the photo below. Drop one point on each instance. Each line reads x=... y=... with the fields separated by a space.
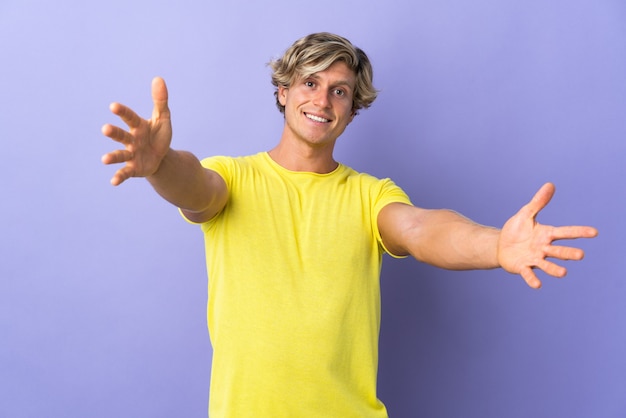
x=177 y=176
x=200 y=193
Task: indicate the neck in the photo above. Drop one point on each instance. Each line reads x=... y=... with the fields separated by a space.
x=314 y=160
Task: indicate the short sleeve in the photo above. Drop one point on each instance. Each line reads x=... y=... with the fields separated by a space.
x=388 y=192
x=221 y=165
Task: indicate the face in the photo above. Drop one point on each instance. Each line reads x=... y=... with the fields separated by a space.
x=318 y=108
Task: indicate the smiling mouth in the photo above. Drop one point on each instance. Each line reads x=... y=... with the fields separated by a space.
x=316 y=118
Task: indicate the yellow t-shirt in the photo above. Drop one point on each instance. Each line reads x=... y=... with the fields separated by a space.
x=294 y=299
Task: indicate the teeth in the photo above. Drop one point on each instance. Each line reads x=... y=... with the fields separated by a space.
x=316 y=118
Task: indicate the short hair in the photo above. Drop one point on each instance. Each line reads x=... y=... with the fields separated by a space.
x=318 y=51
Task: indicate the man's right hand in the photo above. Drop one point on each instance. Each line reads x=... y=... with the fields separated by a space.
x=146 y=141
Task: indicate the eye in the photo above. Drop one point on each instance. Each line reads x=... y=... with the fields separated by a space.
x=340 y=92
x=309 y=83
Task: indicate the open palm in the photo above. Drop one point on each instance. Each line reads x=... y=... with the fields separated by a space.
x=146 y=141
x=526 y=244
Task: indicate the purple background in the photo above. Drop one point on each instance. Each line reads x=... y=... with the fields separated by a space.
x=103 y=289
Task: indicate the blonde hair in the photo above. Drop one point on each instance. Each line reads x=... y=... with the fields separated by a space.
x=317 y=52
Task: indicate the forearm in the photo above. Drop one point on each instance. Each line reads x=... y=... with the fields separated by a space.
x=446 y=239
x=182 y=181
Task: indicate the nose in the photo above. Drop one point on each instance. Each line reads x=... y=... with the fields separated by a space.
x=321 y=99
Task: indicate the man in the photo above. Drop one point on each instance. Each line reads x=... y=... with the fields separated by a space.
x=294 y=241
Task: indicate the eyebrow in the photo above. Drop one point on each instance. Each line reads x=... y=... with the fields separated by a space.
x=334 y=84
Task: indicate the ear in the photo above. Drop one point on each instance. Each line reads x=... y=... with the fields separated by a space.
x=282 y=95
x=352 y=115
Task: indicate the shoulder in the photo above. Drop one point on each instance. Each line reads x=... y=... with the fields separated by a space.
x=214 y=160
x=383 y=190
x=227 y=166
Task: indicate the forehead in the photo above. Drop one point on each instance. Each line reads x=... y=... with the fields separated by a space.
x=336 y=73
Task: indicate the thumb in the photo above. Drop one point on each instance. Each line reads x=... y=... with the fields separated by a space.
x=159 y=98
x=540 y=199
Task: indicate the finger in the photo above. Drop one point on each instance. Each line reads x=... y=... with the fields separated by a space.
x=117 y=156
x=117 y=134
x=552 y=269
x=530 y=278
x=574 y=232
x=539 y=200
x=564 y=253
x=128 y=115
x=121 y=175
x=159 y=98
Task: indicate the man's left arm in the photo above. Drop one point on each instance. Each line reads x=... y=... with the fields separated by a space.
x=446 y=239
